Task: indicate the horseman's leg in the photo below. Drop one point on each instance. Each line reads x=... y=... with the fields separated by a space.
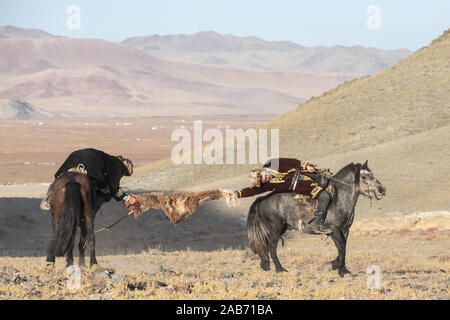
x=309 y=188
x=321 y=212
x=323 y=202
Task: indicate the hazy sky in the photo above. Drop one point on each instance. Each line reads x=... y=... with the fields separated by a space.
x=393 y=23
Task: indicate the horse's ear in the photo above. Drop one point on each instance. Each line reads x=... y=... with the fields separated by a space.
x=365 y=165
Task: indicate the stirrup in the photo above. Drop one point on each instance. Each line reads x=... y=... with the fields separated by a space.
x=45 y=205
x=321 y=229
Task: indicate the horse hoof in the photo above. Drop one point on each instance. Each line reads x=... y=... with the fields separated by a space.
x=265 y=265
x=343 y=271
x=50 y=264
x=334 y=265
x=93 y=264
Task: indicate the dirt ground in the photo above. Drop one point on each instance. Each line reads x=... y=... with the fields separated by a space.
x=412 y=265
x=205 y=256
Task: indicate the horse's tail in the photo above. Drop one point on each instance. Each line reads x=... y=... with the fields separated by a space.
x=68 y=223
x=258 y=233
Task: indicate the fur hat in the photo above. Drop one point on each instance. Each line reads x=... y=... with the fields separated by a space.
x=128 y=164
x=255 y=177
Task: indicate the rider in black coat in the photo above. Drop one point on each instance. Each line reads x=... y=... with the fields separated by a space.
x=104 y=170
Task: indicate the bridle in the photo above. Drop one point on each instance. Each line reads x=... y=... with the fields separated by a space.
x=366 y=190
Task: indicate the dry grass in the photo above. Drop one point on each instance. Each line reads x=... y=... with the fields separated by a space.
x=414 y=265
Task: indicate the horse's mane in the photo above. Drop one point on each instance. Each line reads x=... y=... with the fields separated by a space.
x=351 y=167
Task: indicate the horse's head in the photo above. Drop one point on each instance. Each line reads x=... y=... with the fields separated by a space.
x=369 y=185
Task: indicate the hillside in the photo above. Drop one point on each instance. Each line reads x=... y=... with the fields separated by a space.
x=398 y=119
x=90 y=77
x=252 y=53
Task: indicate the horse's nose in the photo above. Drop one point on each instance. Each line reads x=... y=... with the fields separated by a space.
x=382 y=189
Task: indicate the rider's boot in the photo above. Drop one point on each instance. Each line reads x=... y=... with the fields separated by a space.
x=321 y=214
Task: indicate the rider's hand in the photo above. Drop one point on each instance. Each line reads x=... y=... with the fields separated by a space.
x=133 y=204
x=311 y=167
x=132 y=200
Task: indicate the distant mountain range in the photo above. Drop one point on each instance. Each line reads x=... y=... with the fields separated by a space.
x=60 y=76
x=251 y=53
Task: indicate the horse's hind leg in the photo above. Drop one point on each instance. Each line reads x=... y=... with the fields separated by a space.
x=273 y=253
x=82 y=244
x=88 y=217
x=91 y=240
x=265 y=262
x=51 y=250
x=69 y=256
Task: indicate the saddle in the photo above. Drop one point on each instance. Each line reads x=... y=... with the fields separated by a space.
x=45 y=203
x=79 y=169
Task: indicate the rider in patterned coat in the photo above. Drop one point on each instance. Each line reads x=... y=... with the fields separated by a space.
x=287 y=174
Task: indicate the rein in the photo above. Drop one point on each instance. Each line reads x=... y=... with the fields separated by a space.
x=336 y=180
x=368 y=185
x=115 y=223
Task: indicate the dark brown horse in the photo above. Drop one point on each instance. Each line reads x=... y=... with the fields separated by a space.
x=73 y=205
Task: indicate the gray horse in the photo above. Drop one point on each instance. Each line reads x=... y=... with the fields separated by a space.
x=271 y=215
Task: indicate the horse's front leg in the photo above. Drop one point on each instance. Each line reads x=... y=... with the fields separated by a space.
x=341 y=243
x=335 y=263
